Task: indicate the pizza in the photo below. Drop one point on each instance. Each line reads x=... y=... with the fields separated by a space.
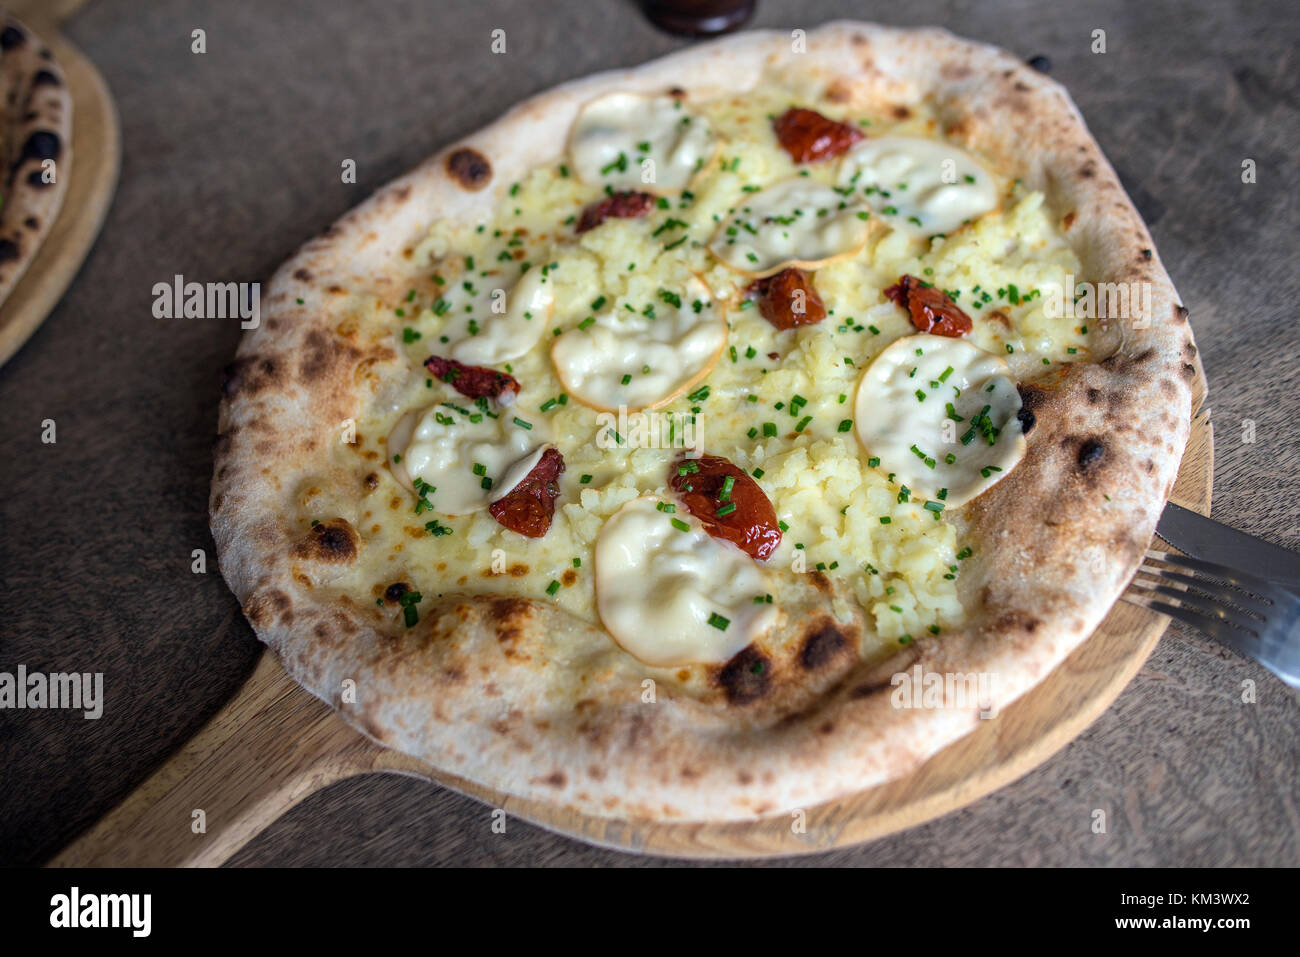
x=36 y=137
x=627 y=454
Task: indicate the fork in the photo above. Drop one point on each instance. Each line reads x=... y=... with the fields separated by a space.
x=1255 y=618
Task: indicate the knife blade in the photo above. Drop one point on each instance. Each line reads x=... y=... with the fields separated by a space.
x=1204 y=538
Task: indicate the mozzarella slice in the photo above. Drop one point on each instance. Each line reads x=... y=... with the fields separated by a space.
x=795 y=222
x=671 y=597
x=919 y=408
x=469 y=463
x=498 y=325
x=646 y=143
x=919 y=186
x=626 y=359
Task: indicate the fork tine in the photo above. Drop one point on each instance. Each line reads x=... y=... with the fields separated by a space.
x=1258 y=606
x=1239 y=641
x=1219 y=607
x=1209 y=607
x=1256 y=586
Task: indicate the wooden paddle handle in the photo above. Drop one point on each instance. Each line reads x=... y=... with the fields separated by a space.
x=266 y=750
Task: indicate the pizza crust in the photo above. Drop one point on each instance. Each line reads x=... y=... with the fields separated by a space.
x=36 y=125
x=487 y=687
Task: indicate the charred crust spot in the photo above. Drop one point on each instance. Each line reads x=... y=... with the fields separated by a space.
x=509 y=615
x=1146 y=254
x=1021 y=86
x=1189 y=371
x=401 y=194
x=320 y=353
x=469 y=168
x=1088 y=170
x=1145 y=355
x=31 y=222
x=334 y=542
x=371 y=482
x=1032 y=397
x=1189 y=350
x=41 y=145
x=1069 y=219
x=1180 y=313
x=1149 y=467
x=823 y=643
x=264 y=607
x=1093 y=396
x=1090 y=453
x=9 y=250
x=302 y=275
x=1016 y=621
x=555 y=779
x=746 y=677
x=250 y=375
x=395 y=591
x=12 y=37
x=901 y=112
x=45 y=78
x=745 y=778
x=1027 y=420
x=677 y=93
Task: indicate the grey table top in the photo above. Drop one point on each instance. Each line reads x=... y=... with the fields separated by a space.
x=231 y=159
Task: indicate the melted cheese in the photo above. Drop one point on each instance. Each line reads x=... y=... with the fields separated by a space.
x=628 y=359
x=918 y=409
x=486 y=334
x=647 y=143
x=441 y=447
x=673 y=597
x=817 y=477
x=919 y=186
x=796 y=222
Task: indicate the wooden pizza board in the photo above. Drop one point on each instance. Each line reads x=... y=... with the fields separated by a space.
x=275 y=744
x=96 y=154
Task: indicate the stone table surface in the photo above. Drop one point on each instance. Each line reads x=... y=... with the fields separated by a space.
x=232 y=158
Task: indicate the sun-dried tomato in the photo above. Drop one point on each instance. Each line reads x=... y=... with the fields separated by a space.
x=738 y=512
x=810 y=137
x=931 y=309
x=475 y=382
x=626 y=205
x=529 y=507
x=788 y=299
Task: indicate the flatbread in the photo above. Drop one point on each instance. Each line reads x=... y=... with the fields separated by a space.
x=521 y=697
x=35 y=126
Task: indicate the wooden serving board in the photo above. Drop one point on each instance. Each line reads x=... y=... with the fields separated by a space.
x=275 y=744
x=96 y=155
